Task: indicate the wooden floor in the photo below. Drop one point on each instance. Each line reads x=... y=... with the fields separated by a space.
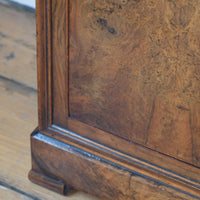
x=18 y=107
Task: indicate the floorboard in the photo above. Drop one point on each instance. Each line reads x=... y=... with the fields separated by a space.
x=12 y=193
x=18 y=45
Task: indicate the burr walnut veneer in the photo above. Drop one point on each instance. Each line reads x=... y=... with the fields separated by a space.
x=119 y=98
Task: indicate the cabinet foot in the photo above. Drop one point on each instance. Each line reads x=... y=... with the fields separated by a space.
x=49 y=183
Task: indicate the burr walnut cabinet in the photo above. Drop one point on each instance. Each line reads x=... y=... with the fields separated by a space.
x=119 y=98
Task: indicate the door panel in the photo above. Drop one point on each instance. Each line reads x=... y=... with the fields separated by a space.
x=134 y=71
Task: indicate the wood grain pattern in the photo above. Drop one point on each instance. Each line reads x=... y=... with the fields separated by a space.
x=42 y=66
x=177 y=179
x=60 y=60
x=93 y=175
x=134 y=72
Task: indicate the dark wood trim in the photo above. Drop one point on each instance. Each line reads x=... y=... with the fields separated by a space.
x=60 y=61
x=71 y=157
x=49 y=60
x=42 y=66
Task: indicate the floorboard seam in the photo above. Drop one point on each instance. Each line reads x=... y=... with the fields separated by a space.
x=17 y=83
x=18 y=191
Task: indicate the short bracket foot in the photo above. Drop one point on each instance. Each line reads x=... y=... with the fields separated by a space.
x=49 y=183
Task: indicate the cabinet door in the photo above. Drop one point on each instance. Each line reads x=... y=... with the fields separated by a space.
x=134 y=71
x=126 y=75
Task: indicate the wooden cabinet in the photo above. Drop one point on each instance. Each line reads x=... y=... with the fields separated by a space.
x=119 y=98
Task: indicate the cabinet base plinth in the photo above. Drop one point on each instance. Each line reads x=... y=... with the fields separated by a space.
x=57 y=165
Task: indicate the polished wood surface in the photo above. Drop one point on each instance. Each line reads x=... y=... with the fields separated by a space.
x=87 y=172
x=60 y=59
x=115 y=107
x=140 y=82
